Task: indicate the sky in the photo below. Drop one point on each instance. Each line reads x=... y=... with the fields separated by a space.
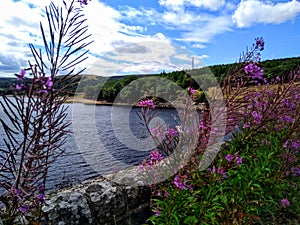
x=134 y=36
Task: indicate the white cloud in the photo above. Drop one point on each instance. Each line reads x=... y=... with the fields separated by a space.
x=109 y=33
x=109 y=27
x=16 y=25
x=251 y=12
x=179 y=5
x=203 y=57
x=42 y=4
x=208 y=4
x=20 y=26
x=175 y=5
x=135 y=58
x=197 y=26
x=205 y=32
x=143 y=57
x=183 y=20
x=198 y=45
x=184 y=57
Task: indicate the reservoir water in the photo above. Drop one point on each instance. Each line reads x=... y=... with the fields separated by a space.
x=111 y=131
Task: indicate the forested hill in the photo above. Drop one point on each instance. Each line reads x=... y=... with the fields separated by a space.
x=272 y=68
x=107 y=89
x=97 y=88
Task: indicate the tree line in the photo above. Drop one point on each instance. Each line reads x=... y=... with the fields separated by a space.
x=100 y=88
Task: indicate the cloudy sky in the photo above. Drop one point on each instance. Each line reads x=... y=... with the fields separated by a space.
x=134 y=36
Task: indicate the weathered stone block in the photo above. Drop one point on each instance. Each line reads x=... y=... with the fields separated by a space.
x=98 y=202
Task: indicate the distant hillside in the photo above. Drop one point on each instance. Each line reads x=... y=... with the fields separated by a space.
x=91 y=85
x=272 y=68
x=5 y=84
x=280 y=67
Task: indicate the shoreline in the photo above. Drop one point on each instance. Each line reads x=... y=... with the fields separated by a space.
x=167 y=105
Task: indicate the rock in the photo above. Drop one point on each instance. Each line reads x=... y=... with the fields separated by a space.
x=98 y=202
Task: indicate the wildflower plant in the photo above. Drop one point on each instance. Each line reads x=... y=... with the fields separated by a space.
x=254 y=179
x=165 y=140
x=35 y=124
x=174 y=143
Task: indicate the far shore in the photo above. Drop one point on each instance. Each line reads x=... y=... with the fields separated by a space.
x=85 y=101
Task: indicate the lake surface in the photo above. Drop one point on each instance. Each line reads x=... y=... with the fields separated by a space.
x=115 y=129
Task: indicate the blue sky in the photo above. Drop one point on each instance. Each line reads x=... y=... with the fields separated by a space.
x=159 y=33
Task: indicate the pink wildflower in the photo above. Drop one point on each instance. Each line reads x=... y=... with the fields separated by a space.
x=285 y=203
x=229 y=157
x=191 y=90
x=147 y=104
x=21 y=75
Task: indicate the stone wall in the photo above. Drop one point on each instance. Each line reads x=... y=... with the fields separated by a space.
x=98 y=202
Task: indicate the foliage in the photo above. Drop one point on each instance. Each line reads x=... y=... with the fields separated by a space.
x=280 y=67
x=35 y=125
x=100 y=88
x=248 y=193
x=103 y=89
x=111 y=88
x=254 y=179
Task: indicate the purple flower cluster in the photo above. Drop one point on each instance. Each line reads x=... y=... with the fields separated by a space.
x=288 y=104
x=294 y=171
x=222 y=172
x=238 y=160
x=20 y=87
x=21 y=75
x=157 y=212
x=254 y=71
x=191 y=90
x=46 y=83
x=41 y=196
x=259 y=43
x=229 y=157
x=159 y=133
x=83 y=2
x=219 y=171
x=180 y=182
x=24 y=209
x=287 y=119
x=147 y=104
x=263 y=106
x=277 y=78
x=292 y=145
x=21 y=197
x=204 y=127
x=155 y=156
x=292 y=151
x=172 y=133
x=285 y=203
x=257 y=117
